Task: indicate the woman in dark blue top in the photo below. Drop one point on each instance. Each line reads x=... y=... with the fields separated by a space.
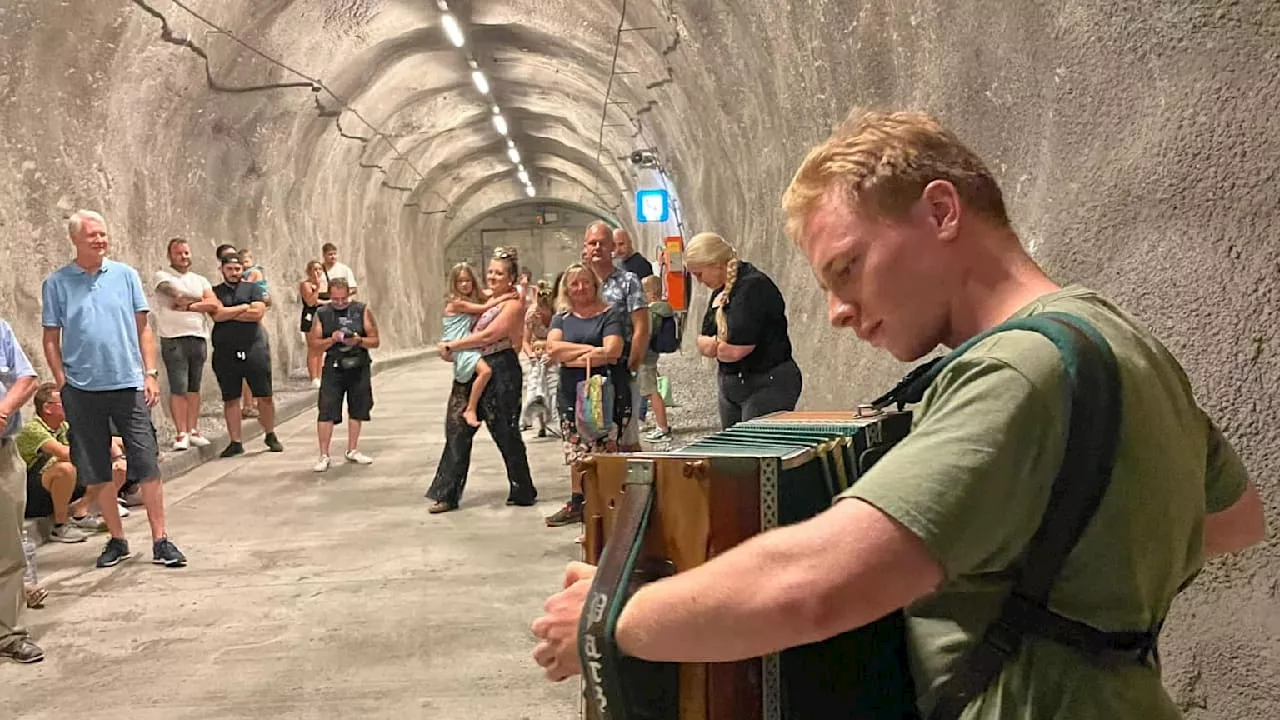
x=586 y=328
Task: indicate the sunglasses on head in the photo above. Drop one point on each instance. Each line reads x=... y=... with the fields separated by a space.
x=503 y=254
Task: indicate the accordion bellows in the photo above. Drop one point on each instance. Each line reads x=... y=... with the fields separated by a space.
x=711 y=495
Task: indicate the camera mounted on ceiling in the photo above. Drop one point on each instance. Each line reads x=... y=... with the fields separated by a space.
x=646 y=158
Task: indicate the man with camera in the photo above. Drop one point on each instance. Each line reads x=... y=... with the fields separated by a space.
x=345 y=330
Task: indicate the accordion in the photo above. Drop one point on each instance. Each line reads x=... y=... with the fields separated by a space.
x=649 y=515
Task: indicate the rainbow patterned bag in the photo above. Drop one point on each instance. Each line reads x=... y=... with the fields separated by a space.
x=593 y=413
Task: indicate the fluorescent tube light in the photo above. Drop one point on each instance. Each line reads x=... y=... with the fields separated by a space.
x=453 y=31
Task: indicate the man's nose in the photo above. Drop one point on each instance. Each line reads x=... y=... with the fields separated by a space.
x=841 y=313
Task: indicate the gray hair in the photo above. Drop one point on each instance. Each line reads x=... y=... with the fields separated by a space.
x=339 y=282
x=75 y=223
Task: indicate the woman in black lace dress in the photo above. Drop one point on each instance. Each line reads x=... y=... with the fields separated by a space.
x=497 y=333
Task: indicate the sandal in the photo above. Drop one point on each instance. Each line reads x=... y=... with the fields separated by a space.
x=36 y=596
x=441 y=507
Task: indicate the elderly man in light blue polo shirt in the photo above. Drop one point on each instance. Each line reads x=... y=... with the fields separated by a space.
x=102 y=353
x=17 y=385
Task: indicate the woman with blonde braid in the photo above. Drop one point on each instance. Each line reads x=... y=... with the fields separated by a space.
x=745 y=329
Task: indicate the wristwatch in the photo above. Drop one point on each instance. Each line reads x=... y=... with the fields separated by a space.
x=154 y=373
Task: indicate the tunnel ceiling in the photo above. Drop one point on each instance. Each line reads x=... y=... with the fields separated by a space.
x=426 y=127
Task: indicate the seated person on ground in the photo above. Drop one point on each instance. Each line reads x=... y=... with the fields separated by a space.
x=52 y=489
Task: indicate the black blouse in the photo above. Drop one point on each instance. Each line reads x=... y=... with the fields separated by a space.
x=756 y=315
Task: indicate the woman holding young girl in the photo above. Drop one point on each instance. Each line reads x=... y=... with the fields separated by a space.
x=587 y=332
x=496 y=333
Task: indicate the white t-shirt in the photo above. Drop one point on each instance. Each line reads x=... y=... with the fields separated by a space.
x=339 y=270
x=172 y=323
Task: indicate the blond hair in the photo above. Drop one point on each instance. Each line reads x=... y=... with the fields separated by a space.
x=454 y=274
x=563 y=304
x=707 y=249
x=880 y=163
x=651 y=284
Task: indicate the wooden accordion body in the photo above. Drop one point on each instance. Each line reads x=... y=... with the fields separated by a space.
x=717 y=492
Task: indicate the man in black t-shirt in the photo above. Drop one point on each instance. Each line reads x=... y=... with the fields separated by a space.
x=626 y=256
x=241 y=353
x=345 y=330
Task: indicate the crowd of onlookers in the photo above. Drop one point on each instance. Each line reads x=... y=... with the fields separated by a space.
x=87 y=449
x=591 y=342
x=575 y=357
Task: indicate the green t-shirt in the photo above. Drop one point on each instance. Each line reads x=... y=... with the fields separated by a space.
x=34 y=434
x=972 y=481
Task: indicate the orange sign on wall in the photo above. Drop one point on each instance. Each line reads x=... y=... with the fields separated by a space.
x=677 y=279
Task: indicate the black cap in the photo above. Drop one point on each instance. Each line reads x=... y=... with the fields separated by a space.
x=231 y=258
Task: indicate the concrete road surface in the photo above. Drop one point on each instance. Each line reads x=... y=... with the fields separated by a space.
x=312 y=595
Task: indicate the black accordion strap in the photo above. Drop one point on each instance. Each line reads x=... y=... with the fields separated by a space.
x=1077 y=491
x=602 y=662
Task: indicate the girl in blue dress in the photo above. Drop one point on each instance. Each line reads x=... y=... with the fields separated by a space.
x=464 y=304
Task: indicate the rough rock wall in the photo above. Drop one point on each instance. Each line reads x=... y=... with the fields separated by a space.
x=1137 y=143
x=98 y=113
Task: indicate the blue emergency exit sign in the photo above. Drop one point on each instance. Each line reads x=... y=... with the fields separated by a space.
x=652 y=206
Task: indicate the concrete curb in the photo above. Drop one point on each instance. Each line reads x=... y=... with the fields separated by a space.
x=176 y=464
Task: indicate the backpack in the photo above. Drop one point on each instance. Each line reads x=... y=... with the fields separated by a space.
x=665 y=340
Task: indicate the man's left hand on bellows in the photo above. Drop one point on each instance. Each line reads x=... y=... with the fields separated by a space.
x=557 y=653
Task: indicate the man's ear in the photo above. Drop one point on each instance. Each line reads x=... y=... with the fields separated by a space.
x=942 y=205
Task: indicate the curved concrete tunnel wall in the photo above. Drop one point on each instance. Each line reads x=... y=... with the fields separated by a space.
x=1137 y=145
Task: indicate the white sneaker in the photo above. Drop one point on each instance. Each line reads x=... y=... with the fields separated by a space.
x=90 y=523
x=181 y=443
x=68 y=533
x=124 y=511
x=356 y=456
x=315 y=383
x=322 y=464
x=198 y=440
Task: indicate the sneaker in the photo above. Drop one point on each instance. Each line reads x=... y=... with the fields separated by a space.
x=116 y=551
x=315 y=383
x=322 y=464
x=567 y=515
x=358 y=457
x=90 y=523
x=68 y=533
x=658 y=434
x=273 y=443
x=123 y=507
x=197 y=440
x=164 y=552
x=181 y=442
x=23 y=651
x=232 y=450
x=133 y=498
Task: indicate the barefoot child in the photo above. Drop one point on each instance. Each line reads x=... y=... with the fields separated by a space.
x=463 y=304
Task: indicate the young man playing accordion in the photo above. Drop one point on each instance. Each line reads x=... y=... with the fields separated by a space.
x=907 y=233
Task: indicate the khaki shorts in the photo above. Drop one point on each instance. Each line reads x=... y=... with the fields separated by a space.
x=647 y=378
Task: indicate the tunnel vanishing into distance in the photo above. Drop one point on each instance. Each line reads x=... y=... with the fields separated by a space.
x=1137 y=144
